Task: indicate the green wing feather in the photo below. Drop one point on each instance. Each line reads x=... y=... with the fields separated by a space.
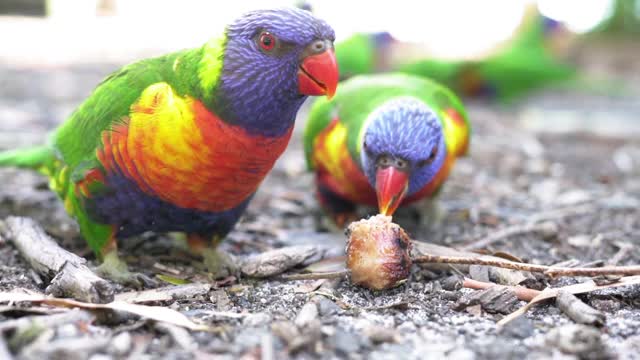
x=72 y=150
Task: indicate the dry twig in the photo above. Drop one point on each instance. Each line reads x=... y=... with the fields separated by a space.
x=71 y=276
x=521 y=292
x=550 y=271
x=317 y=276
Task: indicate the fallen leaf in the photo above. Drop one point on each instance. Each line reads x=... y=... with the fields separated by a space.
x=172 y=280
x=157 y=313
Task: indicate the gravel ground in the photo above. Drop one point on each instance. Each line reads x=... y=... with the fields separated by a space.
x=513 y=174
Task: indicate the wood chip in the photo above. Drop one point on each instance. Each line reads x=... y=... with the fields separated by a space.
x=496 y=299
x=168 y=293
x=278 y=261
x=71 y=276
x=578 y=311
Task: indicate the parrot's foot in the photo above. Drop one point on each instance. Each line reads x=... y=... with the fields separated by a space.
x=114 y=269
x=220 y=264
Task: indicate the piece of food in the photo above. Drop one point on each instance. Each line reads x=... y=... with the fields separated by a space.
x=378 y=253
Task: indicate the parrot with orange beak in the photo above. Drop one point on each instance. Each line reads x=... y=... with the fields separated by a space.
x=384 y=140
x=180 y=143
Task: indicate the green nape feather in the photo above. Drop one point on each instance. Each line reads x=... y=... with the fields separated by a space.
x=361 y=95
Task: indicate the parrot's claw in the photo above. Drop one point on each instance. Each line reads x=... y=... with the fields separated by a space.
x=220 y=264
x=116 y=270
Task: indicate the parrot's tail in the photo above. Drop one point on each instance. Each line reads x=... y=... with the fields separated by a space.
x=32 y=158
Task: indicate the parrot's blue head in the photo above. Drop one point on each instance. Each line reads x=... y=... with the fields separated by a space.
x=403 y=149
x=273 y=59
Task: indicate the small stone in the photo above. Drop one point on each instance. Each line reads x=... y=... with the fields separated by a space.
x=255 y=320
x=606 y=305
x=380 y=334
x=120 y=344
x=307 y=314
x=582 y=341
x=345 y=342
x=475 y=310
x=326 y=307
x=100 y=357
x=580 y=240
x=520 y=328
x=286 y=330
x=572 y=197
x=452 y=283
x=67 y=331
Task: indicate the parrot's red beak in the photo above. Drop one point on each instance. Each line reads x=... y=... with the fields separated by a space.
x=318 y=74
x=391 y=187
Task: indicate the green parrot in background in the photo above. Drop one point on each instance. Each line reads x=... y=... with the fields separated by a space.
x=527 y=62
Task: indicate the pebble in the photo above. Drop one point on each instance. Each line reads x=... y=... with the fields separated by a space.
x=306 y=315
x=345 y=342
x=120 y=344
x=326 y=307
x=582 y=341
x=520 y=328
x=380 y=334
x=255 y=320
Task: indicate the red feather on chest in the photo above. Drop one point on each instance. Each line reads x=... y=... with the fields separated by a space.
x=201 y=163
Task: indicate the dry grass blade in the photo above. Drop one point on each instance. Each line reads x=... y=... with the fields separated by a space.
x=156 y=313
x=550 y=293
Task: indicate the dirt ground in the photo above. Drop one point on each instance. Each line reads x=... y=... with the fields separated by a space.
x=525 y=162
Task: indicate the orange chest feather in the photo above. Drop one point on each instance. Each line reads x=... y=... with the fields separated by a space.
x=177 y=150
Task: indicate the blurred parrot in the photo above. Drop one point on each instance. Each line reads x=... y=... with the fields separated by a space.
x=386 y=140
x=180 y=143
x=528 y=61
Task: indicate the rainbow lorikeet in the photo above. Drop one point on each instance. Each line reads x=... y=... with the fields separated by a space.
x=385 y=140
x=527 y=62
x=180 y=143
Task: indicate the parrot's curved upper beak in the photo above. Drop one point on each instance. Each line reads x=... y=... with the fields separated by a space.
x=318 y=73
x=391 y=187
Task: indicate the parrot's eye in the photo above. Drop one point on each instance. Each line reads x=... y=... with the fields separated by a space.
x=430 y=159
x=267 y=41
x=400 y=164
x=384 y=161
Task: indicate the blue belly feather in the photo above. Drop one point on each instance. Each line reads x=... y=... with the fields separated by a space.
x=123 y=204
